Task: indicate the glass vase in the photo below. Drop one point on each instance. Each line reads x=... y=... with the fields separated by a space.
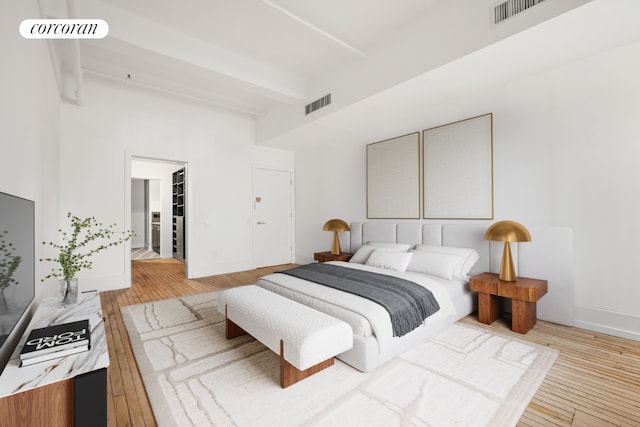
x=68 y=292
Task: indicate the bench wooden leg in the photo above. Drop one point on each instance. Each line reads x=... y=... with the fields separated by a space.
x=289 y=374
x=232 y=330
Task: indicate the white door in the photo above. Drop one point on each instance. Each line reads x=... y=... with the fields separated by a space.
x=273 y=217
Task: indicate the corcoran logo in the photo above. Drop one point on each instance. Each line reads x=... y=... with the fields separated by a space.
x=64 y=29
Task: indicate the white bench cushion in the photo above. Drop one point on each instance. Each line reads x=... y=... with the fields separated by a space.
x=309 y=336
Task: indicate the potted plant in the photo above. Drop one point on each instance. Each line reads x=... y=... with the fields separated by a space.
x=86 y=238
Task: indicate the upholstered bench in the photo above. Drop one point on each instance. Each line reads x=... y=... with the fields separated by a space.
x=306 y=339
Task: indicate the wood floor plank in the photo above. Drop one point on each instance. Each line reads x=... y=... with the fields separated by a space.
x=596 y=378
x=595 y=374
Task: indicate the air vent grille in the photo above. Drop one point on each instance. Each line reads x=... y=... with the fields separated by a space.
x=509 y=8
x=317 y=104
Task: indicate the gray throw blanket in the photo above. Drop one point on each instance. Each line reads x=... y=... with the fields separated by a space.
x=407 y=302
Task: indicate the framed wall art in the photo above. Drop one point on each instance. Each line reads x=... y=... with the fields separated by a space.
x=393 y=178
x=458 y=169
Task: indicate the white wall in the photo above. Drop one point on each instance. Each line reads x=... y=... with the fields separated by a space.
x=119 y=121
x=595 y=151
x=565 y=153
x=30 y=133
x=155 y=196
x=138 y=197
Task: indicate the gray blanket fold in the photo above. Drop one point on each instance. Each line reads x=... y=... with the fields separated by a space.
x=408 y=303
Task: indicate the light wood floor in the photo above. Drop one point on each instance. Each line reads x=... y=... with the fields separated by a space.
x=594 y=382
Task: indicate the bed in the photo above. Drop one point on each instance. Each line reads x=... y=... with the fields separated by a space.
x=431 y=264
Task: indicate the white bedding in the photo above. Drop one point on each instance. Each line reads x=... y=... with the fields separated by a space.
x=365 y=317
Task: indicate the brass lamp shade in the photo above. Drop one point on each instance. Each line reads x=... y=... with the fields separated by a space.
x=507 y=231
x=335 y=225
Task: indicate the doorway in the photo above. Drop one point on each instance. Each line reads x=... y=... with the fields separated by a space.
x=273 y=217
x=151 y=207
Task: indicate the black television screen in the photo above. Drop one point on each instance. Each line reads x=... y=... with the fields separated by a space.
x=17 y=261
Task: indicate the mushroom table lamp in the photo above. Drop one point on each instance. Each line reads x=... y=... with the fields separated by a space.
x=507 y=231
x=335 y=225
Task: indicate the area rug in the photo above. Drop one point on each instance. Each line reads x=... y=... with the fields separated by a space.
x=463 y=376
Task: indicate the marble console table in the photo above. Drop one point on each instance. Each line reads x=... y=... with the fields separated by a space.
x=62 y=390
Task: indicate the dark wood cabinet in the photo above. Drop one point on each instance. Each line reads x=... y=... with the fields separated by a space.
x=179 y=211
x=328 y=256
x=524 y=293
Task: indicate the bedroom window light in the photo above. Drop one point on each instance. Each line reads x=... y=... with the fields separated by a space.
x=335 y=225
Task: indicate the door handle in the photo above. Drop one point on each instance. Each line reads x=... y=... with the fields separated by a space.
x=261 y=223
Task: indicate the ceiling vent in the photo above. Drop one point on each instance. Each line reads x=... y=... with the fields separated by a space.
x=317 y=104
x=509 y=8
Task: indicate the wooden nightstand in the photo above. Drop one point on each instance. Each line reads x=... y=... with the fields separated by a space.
x=523 y=292
x=328 y=256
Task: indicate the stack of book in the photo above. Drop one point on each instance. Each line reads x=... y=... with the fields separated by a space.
x=56 y=341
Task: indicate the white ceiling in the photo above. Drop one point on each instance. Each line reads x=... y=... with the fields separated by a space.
x=263 y=56
x=247 y=55
x=443 y=94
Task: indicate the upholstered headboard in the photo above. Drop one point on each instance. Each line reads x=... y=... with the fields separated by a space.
x=548 y=256
x=458 y=235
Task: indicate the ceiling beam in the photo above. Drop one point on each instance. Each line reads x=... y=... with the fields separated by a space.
x=315 y=28
x=77 y=61
x=181 y=94
x=152 y=37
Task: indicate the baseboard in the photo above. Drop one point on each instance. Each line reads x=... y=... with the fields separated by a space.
x=608 y=322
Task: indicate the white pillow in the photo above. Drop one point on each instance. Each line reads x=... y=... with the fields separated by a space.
x=469 y=257
x=434 y=263
x=389 y=260
x=363 y=252
x=402 y=247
